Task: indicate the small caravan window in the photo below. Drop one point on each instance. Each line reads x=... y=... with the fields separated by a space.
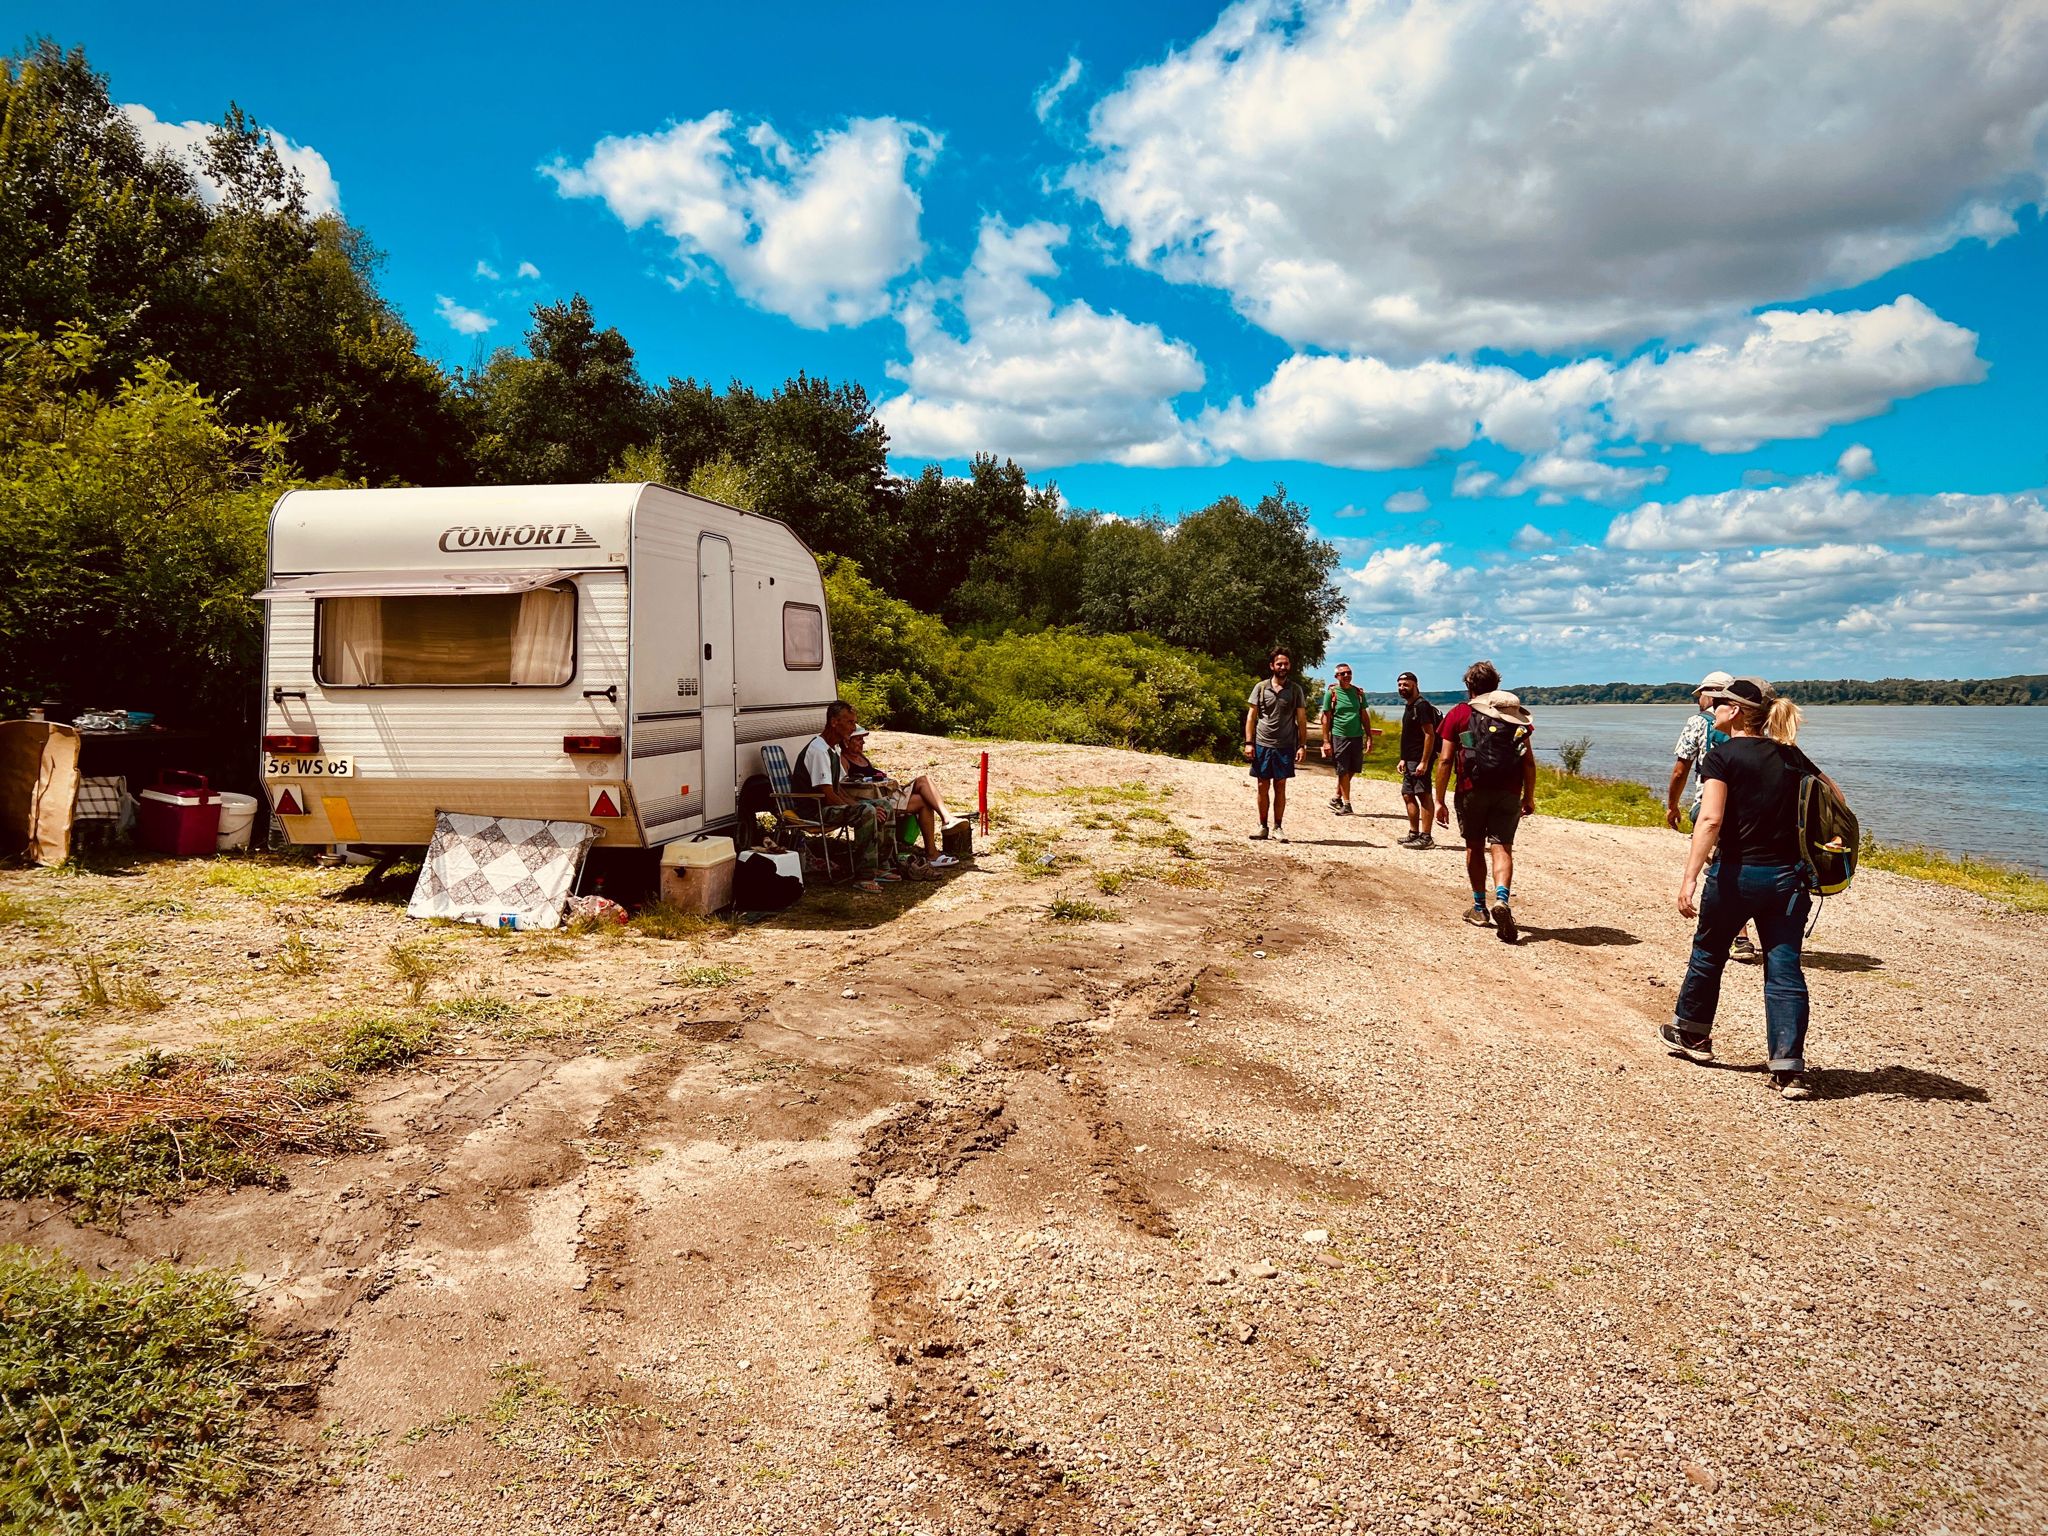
x=478 y=640
x=803 y=637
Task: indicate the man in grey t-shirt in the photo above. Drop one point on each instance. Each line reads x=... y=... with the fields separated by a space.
x=1275 y=736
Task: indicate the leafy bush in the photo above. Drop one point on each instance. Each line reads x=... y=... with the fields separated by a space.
x=376 y=1045
x=1572 y=753
x=1103 y=690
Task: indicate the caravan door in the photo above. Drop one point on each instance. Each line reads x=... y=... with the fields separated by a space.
x=714 y=636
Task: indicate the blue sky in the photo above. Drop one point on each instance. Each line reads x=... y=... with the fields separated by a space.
x=1608 y=340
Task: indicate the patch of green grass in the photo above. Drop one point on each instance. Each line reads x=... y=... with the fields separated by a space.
x=274 y=876
x=1069 y=909
x=379 y=1044
x=43 y=1154
x=709 y=975
x=478 y=1008
x=1583 y=797
x=26 y=912
x=666 y=920
x=124 y=1400
x=2017 y=888
x=93 y=991
x=1112 y=881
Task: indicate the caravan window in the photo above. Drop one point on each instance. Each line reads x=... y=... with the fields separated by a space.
x=494 y=640
x=803 y=637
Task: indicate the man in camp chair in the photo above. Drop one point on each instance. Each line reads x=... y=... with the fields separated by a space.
x=818 y=771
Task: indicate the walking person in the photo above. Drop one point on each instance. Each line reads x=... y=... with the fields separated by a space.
x=1486 y=743
x=1347 y=735
x=1421 y=724
x=1694 y=741
x=1747 y=840
x=1275 y=737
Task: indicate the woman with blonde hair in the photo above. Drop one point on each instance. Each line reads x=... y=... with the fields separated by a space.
x=1748 y=825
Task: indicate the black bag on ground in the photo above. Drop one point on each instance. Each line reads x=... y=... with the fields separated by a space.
x=1494 y=760
x=767 y=882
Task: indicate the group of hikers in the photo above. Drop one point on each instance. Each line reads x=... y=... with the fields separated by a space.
x=1738 y=751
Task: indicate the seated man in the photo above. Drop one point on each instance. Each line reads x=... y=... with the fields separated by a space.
x=920 y=799
x=819 y=771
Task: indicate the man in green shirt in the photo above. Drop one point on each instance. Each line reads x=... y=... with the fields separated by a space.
x=1346 y=734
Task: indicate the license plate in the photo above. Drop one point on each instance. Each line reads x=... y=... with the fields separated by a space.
x=309 y=767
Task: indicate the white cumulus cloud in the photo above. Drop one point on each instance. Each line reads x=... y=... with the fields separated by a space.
x=460 y=317
x=816 y=234
x=1408 y=501
x=187 y=142
x=1856 y=463
x=527 y=273
x=1431 y=177
x=1781 y=374
x=1819 y=509
x=1041 y=382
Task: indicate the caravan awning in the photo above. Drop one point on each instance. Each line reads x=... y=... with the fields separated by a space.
x=409 y=583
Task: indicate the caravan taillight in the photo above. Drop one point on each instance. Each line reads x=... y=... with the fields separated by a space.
x=294 y=746
x=593 y=746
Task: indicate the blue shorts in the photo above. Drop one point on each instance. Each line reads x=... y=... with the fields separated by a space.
x=1272 y=762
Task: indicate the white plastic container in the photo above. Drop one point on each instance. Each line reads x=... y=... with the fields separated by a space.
x=237 y=816
x=697 y=876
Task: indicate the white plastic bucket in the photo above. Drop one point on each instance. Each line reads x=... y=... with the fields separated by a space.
x=237 y=815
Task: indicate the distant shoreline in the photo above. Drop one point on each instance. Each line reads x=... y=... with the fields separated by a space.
x=2022 y=689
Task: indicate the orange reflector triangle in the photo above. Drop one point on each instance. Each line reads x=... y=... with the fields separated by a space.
x=288 y=804
x=603 y=805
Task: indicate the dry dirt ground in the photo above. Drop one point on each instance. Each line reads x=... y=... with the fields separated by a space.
x=1279 y=1201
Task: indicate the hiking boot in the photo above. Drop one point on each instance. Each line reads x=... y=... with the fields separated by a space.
x=1792 y=1085
x=1477 y=917
x=1405 y=841
x=1504 y=923
x=1697 y=1046
x=1261 y=835
x=1336 y=805
x=1345 y=809
x=1421 y=840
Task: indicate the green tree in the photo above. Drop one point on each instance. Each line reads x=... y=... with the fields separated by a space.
x=1247 y=579
x=1127 y=577
x=565 y=412
x=897 y=666
x=132 y=526
x=267 y=308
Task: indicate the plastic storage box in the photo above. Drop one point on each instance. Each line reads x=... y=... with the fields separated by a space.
x=697 y=876
x=179 y=814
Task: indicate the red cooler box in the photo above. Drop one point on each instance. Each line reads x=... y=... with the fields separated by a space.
x=178 y=814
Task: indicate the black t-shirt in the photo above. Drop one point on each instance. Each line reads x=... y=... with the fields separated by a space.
x=1419 y=717
x=1761 y=822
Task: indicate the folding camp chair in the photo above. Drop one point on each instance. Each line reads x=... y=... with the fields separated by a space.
x=803 y=816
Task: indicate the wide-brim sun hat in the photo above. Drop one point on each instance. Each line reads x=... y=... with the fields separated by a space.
x=1714 y=680
x=858 y=730
x=1502 y=705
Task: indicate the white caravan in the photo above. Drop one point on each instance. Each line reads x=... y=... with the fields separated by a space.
x=616 y=654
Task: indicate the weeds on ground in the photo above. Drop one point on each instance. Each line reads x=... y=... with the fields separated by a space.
x=1583 y=797
x=26 y=912
x=123 y=1401
x=666 y=920
x=709 y=975
x=99 y=988
x=413 y=965
x=2017 y=888
x=1069 y=909
x=297 y=956
x=380 y=1044
x=148 y=1130
x=274 y=876
x=1034 y=852
x=1112 y=881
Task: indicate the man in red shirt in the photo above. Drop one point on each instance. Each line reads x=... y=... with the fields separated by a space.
x=1496 y=772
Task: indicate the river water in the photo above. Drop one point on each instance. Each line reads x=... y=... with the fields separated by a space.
x=1964 y=779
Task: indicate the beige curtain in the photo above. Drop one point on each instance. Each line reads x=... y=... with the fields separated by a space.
x=352 y=641
x=544 y=639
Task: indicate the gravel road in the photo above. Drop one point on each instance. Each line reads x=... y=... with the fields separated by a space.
x=1274 y=1199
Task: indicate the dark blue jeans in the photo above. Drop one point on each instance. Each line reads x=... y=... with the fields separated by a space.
x=1775 y=896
